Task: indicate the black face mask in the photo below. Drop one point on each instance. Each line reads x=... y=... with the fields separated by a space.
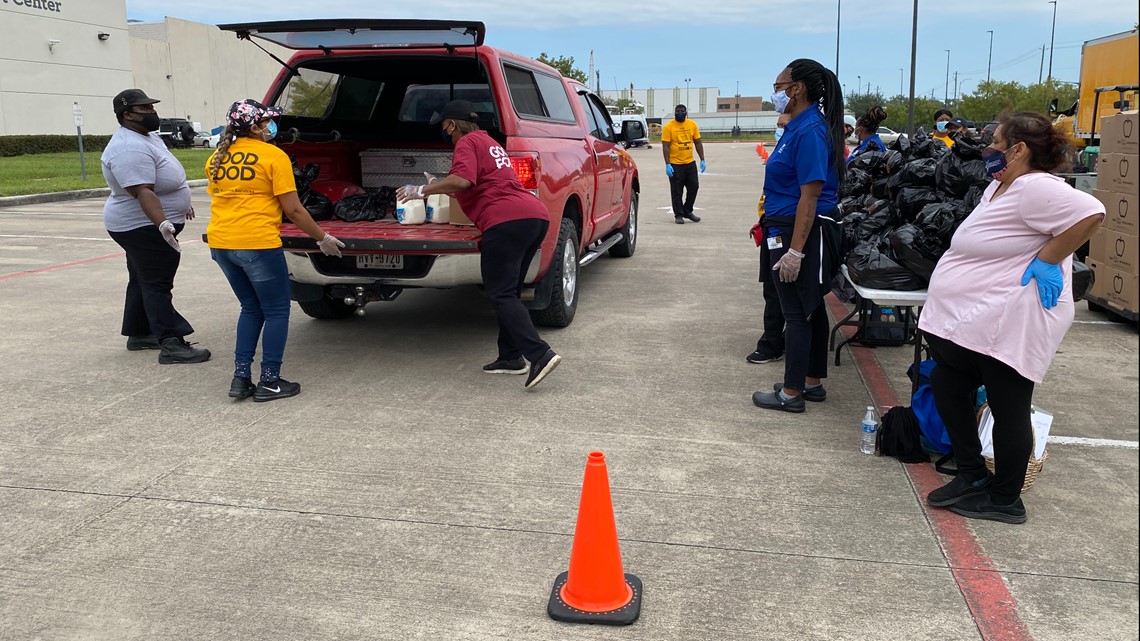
x=443 y=134
x=150 y=121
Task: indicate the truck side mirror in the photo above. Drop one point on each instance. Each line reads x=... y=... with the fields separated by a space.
x=632 y=130
x=1052 y=106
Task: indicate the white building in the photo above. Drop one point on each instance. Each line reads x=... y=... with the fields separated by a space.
x=54 y=53
x=659 y=103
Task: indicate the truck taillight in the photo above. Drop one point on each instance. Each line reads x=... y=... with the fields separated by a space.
x=526 y=167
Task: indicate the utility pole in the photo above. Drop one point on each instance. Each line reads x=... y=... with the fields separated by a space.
x=900 y=81
x=990 y=60
x=838 y=17
x=858 y=84
x=1052 y=32
x=737 y=127
x=913 y=63
x=955 y=89
x=946 y=89
x=1041 y=69
x=687 y=92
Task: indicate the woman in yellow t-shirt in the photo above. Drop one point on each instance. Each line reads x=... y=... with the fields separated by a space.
x=251 y=185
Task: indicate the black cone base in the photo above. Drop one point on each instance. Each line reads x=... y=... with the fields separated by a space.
x=625 y=615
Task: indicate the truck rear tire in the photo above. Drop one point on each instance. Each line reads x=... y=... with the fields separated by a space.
x=628 y=243
x=327 y=308
x=564 y=271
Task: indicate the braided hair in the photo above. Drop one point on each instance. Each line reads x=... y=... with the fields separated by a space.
x=823 y=89
x=224 y=141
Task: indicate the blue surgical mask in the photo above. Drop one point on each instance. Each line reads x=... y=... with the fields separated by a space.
x=779 y=133
x=680 y=116
x=941 y=125
x=271 y=129
x=780 y=100
x=996 y=164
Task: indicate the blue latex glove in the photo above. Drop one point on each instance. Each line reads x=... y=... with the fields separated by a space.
x=1050 y=281
x=669 y=170
x=702 y=166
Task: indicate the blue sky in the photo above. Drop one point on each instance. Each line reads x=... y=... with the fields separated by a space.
x=720 y=43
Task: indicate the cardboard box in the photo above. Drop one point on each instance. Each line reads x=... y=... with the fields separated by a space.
x=457 y=215
x=1097 y=245
x=1118 y=172
x=1115 y=287
x=1119 y=134
x=1121 y=211
x=1118 y=251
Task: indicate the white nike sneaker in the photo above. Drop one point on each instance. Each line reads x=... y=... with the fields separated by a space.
x=274 y=390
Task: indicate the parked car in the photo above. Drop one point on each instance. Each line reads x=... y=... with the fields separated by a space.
x=176 y=132
x=640 y=142
x=357 y=98
x=206 y=139
x=889 y=135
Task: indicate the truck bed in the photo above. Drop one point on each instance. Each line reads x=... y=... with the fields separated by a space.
x=388 y=236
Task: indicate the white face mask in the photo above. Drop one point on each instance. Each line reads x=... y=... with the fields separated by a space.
x=780 y=100
x=779 y=133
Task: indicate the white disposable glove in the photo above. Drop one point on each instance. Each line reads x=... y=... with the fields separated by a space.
x=410 y=192
x=789 y=266
x=167 y=229
x=330 y=246
x=430 y=178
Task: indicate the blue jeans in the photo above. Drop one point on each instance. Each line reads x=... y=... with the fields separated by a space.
x=260 y=279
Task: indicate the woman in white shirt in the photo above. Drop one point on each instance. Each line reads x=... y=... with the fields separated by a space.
x=998 y=305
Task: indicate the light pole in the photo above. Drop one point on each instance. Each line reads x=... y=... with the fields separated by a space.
x=991 y=58
x=859 y=84
x=946 y=89
x=687 y=92
x=900 y=81
x=913 y=64
x=737 y=127
x=838 y=16
x=1052 y=32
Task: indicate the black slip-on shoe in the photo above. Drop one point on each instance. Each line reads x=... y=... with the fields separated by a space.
x=177 y=350
x=773 y=401
x=542 y=368
x=958 y=489
x=680 y=220
x=506 y=366
x=811 y=394
x=139 y=343
x=241 y=388
x=760 y=358
x=982 y=506
x=274 y=390
x=693 y=217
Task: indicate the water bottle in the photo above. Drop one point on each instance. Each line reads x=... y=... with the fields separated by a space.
x=867 y=431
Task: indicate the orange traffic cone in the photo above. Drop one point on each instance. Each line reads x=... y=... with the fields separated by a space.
x=595 y=590
x=762 y=152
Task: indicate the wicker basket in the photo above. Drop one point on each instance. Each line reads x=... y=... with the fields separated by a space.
x=1035 y=464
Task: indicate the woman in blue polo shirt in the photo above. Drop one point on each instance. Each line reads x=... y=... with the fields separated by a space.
x=801 y=185
x=867 y=131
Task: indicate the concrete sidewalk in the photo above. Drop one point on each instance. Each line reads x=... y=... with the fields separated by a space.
x=405 y=495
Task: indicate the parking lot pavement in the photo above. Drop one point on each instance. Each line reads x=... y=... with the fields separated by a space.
x=404 y=494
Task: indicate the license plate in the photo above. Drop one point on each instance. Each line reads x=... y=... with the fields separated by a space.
x=380 y=261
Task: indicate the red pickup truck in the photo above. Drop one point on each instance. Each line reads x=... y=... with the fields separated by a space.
x=357 y=96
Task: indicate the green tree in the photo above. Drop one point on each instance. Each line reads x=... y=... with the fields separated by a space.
x=897 y=109
x=308 y=98
x=993 y=98
x=628 y=103
x=861 y=103
x=565 y=66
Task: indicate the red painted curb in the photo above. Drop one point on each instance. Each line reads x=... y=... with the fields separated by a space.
x=981 y=584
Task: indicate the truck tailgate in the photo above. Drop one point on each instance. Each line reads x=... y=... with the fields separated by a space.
x=388 y=236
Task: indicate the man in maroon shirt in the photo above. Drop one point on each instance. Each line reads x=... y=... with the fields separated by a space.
x=513 y=221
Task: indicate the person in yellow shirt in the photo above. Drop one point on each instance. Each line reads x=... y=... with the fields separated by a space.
x=251 y=184
x=679 y=137
x=942 y=119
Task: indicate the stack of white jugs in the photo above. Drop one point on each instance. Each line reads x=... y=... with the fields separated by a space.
x=437 y=209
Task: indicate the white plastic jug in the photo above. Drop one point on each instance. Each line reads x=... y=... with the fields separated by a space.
x=439 y=209
x=411 y=212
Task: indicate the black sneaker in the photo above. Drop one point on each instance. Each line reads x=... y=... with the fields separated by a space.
x=177 y=350
x=506 y=366
x=774 y=401
x=982 y=506
x=813 y=394
x=274 y=390
x=680 y=220
x=139 y=343
x=693 y=217
x=241 y=388
x=760 y=358
x=957 y=490
x=542 y=368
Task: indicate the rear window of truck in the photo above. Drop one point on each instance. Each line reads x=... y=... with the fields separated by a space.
x=537 y=95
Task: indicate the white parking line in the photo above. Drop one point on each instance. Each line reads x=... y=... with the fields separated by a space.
x=1093 y=442
x=55 y=237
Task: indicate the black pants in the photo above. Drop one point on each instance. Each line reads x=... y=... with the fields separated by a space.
x=507 y=250
x=959 y=373
x=151 y=266
x=805 y=315
x=772 y=340
x=683 y=187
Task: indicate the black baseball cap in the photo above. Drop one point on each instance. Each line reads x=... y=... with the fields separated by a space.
x=131 y=98
x=959 y=122
x=455 y=110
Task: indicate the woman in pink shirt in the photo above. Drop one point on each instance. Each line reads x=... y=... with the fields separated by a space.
x=513 y=221
x=999 y=303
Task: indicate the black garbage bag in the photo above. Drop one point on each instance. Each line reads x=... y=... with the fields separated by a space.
x=874 y=206
x=911 y=200
x=893 y=160
x=872 y=162
x=851 y=204
x=921 y=147
x=874 y=223
x=858 y=183
x=319 y=205
x=916 y=173
x=1083 y=279
x=377 y=205
x=870 y=267
x=881 y=188
x=955 y=176
x=939 y=218
x=907 y=248
x=853 y=230
x=967 y=147
x=903 y=146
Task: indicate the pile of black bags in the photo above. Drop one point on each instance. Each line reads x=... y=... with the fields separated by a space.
x=366 y=207
x=901 y=207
